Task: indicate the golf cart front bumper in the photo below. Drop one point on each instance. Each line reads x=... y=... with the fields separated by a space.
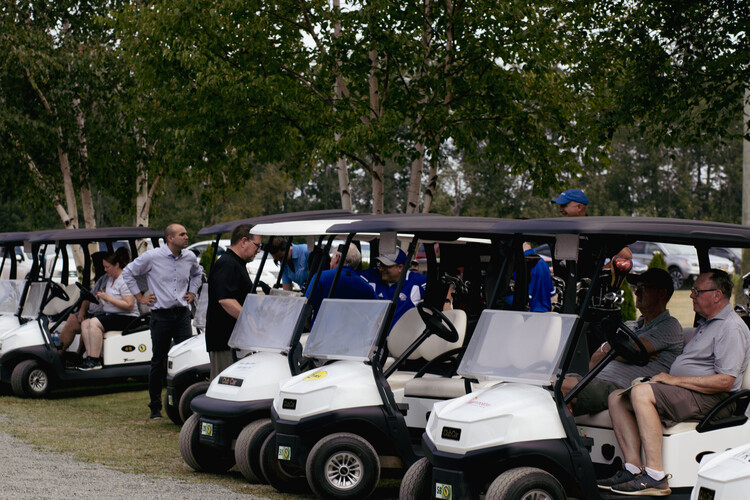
x=457 y=476
x=222 y=421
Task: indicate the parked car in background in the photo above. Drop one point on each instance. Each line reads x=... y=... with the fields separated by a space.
x=682 y=260
x=545 y=253
x=730 y=254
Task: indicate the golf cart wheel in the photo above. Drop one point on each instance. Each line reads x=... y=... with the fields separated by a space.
x=677 y=278
x=196 y=389
x=248 y=446
x=525 y=483
x=30 y=379
x=416 y=482
x=276 y=473
x=172 y=410
x=343 y=465
x=200 y=457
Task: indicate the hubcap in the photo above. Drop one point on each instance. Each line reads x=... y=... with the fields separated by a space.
x=537 y=495
x=38 y=380
x=344 y=470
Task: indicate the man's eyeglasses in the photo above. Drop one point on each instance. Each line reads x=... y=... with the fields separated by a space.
x=698 y=292
x=256 y=244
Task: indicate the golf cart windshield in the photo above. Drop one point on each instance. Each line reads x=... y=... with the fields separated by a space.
x=346 y=329
x=267 y=322
x=10 y=295
x=517 y=346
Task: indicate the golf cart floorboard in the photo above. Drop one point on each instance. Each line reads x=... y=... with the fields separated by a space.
x=677 y=494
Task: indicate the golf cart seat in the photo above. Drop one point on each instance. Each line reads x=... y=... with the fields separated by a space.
x=57 y=305
x=513 y=354
x=742 y=397
x=408 y=328
x=138 y=324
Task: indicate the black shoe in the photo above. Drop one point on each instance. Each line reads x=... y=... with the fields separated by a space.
x=155 y=415
x=90 y=364
x=621 y=476
x=644 y=484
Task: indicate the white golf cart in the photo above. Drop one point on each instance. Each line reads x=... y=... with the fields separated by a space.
x=14 y=288
x=188 y=364
x=29 y=358
x=517 y=439
x=341 y=426
x=233 y=413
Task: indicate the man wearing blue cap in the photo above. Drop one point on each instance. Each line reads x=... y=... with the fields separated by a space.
x=384 y=280
x=572 y=203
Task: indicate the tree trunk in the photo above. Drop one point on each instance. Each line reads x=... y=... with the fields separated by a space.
x=338 y=87
x=746 y=177
x=378 y=170
x=415 y=181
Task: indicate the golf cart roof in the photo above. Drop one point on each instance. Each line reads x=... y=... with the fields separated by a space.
x=19 y=237
x=311 y=227
x=629 y=229
x=427 y=226
x=226 y=227
x=97 y=234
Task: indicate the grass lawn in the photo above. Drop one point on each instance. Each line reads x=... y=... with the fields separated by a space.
x=113 y=428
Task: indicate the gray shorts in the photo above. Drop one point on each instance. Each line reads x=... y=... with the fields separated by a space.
x=676 y=404
x=219 y=361
x=593 y=397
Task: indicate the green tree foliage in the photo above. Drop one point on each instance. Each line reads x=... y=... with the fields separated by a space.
x=676 y=70
x=628 y=309
x=658 y=261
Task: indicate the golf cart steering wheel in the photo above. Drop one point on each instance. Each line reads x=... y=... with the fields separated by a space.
x=622 y=338
x=86 y=294
x=57 y=291
x=437 y=322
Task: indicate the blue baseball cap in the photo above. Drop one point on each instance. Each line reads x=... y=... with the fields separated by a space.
x=571 y=195
x=391 y=259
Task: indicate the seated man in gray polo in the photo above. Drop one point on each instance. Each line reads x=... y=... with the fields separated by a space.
x=660 y=333
x=712 y=365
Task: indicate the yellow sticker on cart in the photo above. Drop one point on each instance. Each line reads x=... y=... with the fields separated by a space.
x=317 y=375
x=142 y=347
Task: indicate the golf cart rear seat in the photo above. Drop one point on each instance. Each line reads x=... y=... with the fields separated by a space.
x=742 y=397
x=408 y=328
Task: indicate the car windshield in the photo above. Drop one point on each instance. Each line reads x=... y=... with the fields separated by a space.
x=267 y=322
x=346 y=329
x=517 y=346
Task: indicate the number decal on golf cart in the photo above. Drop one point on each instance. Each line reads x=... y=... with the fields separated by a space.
x=285 y=453
x=207 y=429
x=444 y=491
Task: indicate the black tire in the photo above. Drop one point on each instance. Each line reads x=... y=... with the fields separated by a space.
x=677 y=278
x=417 y=481
x=200 y=457
x=343 y=465
x=525 y=483
x=196 y=389
x=30 y=379
x=248 y=447
x=275 y=472
x=172 y=411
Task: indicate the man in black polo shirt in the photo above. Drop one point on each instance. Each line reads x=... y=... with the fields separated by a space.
x=228 y=285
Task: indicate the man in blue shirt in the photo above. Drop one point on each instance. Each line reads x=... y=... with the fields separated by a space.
x=349 y=286
x=384 y=278
x=174 y=276
x=295 y=268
